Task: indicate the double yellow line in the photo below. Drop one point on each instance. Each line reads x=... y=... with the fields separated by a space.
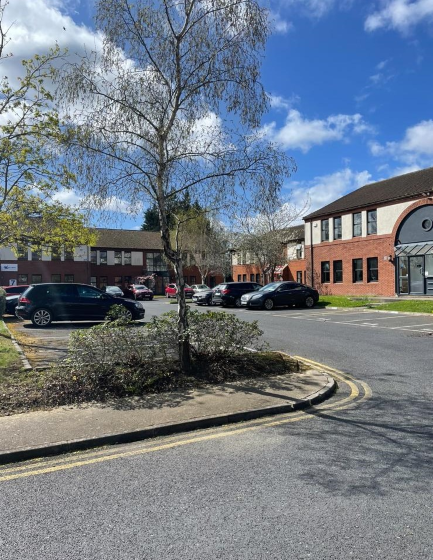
x=44 y=466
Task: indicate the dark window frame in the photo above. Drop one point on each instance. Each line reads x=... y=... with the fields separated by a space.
x=372 y=271
x=337 y=228
x=103 y=259
x=357 y=225
x=357 y=271
x=337 y=269
x=54 y=276
x=324 y=230
x=371 y=223
x=325 y=272
x=69 y=278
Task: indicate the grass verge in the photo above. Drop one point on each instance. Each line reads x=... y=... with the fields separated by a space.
x=42 y=390
x=408 y=306
x=10 y=361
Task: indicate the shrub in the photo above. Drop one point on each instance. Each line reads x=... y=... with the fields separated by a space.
x=2 y=302
x=120 y=358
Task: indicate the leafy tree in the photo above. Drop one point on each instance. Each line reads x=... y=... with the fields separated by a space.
x=151 y=219
x=172 y=105
x=29 y=136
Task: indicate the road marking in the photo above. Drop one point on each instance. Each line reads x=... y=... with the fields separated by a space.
x=43 y=467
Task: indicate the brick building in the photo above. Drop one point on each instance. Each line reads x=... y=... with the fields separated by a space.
x=293 y=264
x=118 y=257
x=377 y=240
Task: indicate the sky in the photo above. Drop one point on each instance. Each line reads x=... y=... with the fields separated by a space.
x=350 y=83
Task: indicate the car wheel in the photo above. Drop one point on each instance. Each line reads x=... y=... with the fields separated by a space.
x=309 y=302
x=126 y=314
x=41 y=317
x=268 y=304
x=238 y=302
x=198 y=303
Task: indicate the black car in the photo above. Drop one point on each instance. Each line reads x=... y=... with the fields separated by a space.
x=230 y=293
x=278 y=294
x=11 y=303
x=43 y=303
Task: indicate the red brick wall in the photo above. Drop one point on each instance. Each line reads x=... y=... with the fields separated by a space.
x=379 y=246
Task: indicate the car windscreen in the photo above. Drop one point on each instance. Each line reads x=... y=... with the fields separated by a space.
x=270 y=287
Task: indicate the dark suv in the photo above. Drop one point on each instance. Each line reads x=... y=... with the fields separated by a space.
x=230 y=293
x=43 y=303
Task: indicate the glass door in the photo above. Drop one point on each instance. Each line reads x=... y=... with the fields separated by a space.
x=416 y=275
x=428 y=268
x=403 y=275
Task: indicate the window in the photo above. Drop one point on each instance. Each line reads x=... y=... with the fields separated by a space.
x=69 y=277
x=117 y=257
x=102 y=257
x=252 y=277
x=258 y=278
x=36 y=278
x=239 y=278
x=127 y=257
x=93 y=256
x=155 y=262
x=299 y=276
x=357 y=270
x=69 y=256
x=93 y=280
x=88 y=292
x=337 y=228
x=103 y=281
x=299 y=251
x=128 y=280
x=36 y=254
x=192 y=280
x=372 y=269
x=338 y=271
x=22 y=253
x=244 y=278
x=56 y=277
x=117 y=280
x=56 y=253
x=325 y=230
x=371 y=222
x=357 y=224
x=23 y=278
x=324 y=267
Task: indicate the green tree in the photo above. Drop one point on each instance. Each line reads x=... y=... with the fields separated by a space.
x=172 y=105
x=30 y=173
x=151 y=219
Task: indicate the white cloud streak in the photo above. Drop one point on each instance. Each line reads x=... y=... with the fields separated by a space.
x=400 y=15
x=301 y=133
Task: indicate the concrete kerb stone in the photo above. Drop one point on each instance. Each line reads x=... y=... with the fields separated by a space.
x=167 y=429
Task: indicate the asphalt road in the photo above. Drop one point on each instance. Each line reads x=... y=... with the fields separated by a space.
x=352 y=479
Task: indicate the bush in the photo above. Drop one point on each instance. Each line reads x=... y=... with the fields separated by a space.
x=121 y=358
x=2 y=302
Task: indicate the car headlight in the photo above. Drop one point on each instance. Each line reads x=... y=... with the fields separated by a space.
x=138 y=305
x=255 y=296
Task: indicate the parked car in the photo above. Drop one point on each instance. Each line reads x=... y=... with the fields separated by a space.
x=11 y=303
x=278 y=294
x=44 y=303
x=142 y=292
x=171 y=291
x=114 y=291
x=200 y=288
x=203 y=297
x=230 y=293
x=10 y=290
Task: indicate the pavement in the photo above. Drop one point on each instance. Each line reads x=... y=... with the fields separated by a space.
x=66 y=429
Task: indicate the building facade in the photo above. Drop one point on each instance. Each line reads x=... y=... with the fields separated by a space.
x=377 y=240
x=120 y=257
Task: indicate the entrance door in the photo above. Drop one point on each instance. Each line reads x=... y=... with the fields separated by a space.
x=416 y=275
x=429 y=274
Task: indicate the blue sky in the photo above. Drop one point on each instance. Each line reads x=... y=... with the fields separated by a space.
x=350 y=83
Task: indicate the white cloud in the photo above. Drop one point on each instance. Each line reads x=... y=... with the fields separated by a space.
x=416 y=147
x=301 y=133
x=280 y=25
x=35 y=26
x=323 y=190
x=401 y=15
